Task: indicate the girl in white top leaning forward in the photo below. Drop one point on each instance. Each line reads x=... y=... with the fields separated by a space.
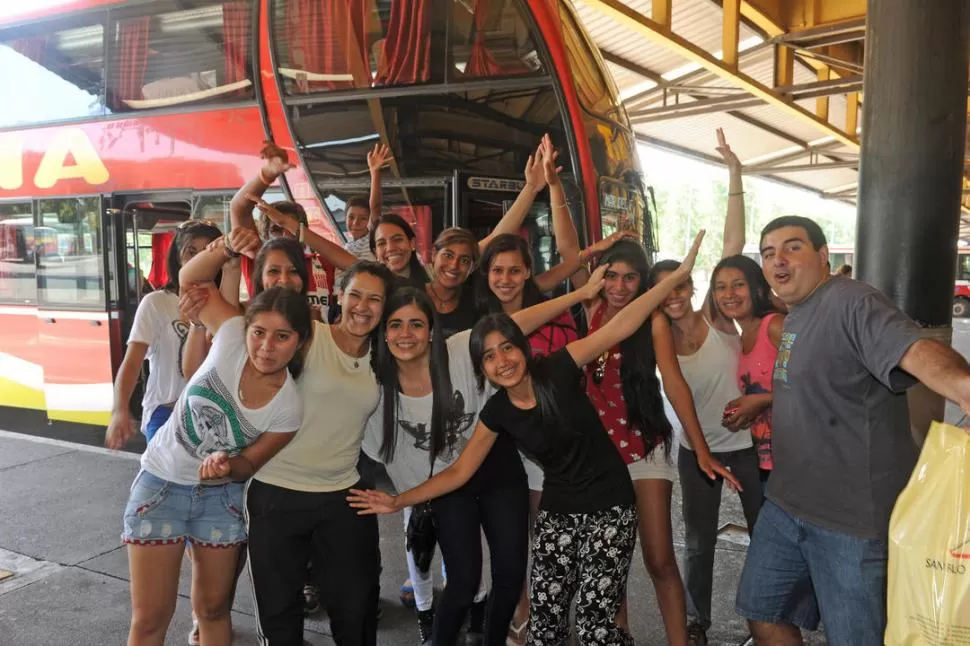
x=237 y=411
x=159 y=334
x=708 y=350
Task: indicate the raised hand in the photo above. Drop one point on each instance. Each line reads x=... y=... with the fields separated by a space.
x=534 y=177
x=371 y=501
x=215 y=466
x=277 y=160
x=244 y=241
x=600 y=246
x=191 y=302
x=549 y=154
x=687 y=265
x=378 y=156
x=732 y=161
x=121 y=429
x=595 y=283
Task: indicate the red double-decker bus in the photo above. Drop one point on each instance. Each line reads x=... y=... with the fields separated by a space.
x=123 y=119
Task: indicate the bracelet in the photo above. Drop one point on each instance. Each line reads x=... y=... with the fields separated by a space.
x=196 y=324
x=735 y=194
x=262 y=178
x=228 y=249
x=559 y=205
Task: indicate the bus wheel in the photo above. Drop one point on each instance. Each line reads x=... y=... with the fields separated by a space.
x=961 y=308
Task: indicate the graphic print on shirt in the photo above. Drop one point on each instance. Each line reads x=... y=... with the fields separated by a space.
x=784 y=357
x=211 y=420
x=761 y=426
x=455 y=426
x=181 y=329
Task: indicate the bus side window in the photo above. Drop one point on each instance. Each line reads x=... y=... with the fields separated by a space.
x=17 y=279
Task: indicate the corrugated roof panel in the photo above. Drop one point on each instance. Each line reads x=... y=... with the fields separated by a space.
x=697 y=134
x=776 y=118
x=823 y=180
x=698 y=21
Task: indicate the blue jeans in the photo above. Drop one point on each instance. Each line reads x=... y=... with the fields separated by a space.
x=797 y=571
x=159 y=416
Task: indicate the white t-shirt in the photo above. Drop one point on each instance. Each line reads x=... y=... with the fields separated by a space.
x=339 y=394
x=360 y=248
x=209 y=417
x=411 y=461
x=159 y=325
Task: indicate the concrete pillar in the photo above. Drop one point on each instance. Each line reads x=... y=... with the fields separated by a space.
x=914 y=122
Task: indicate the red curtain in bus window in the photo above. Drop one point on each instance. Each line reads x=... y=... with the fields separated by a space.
x=419 y=217
x=131 y=60
x=158 y=275
x=33 y=48
x=235 y=38
x=329 y=37
x=481 y=60
x=406 y=55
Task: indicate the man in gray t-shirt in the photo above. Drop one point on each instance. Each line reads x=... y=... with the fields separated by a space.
x=841 y=446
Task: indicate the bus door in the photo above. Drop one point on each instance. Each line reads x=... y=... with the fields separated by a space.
x=73 y=330
x=481 y=201
x=142 y=229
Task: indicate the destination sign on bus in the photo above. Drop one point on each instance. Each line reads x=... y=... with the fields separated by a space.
x=495 y=184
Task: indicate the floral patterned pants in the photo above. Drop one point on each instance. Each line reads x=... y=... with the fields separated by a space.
x=586 y=555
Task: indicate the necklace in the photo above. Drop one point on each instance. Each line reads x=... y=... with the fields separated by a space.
x=242 y=378
x=337 y=334
x=439 y=302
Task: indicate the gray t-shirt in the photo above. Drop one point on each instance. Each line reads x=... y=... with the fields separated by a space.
x=841 y=442
x=411 y=463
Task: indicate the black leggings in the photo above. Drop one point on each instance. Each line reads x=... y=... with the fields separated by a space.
x=496 y=500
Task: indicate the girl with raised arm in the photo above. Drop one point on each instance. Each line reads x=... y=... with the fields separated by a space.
x=586 y=528
x=430 y=403
x=239 y=409
x=708 y=351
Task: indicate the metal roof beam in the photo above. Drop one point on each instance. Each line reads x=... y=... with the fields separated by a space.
x=800 y=168
x=630 y=66
x=652 y=30
x=694 y=108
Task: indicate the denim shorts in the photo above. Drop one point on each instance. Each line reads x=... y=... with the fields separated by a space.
x=160 y=512
x=797 y=572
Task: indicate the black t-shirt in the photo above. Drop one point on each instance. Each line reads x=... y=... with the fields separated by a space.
x=584 y=472
x=462 y=317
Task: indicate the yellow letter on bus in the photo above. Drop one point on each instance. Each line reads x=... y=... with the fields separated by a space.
x=87 y=165
x=11 y=162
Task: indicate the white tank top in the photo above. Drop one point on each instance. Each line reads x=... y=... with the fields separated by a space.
x=712 y=374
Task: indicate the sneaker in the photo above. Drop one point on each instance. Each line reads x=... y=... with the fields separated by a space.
x=311 y=600
x=425 y=625
x=475 y=635
x=194 y=638
x=696 y=635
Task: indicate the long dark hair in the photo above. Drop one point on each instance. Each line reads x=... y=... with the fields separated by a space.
x=638 y=366
x=291 y=306
x=186 y=232
x=758 y=286
x=504 y=243
x=553 y=421
x=387 y=374
x=418 y=274
x=293 y=251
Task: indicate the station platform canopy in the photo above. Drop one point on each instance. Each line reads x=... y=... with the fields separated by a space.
x=783 y=78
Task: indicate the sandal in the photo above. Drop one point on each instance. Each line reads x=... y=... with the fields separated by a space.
x=407 y=595
x=517 y=634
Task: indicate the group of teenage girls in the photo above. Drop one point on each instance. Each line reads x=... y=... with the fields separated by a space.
x=475 y=391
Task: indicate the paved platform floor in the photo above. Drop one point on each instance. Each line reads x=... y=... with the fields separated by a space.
x=60 y=518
